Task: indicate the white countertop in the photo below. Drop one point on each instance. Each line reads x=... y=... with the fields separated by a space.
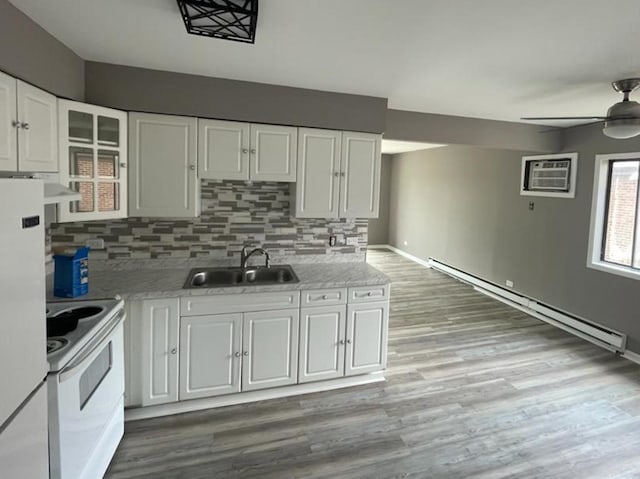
x=168 y=282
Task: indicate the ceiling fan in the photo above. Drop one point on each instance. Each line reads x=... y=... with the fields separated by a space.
x=623 y=118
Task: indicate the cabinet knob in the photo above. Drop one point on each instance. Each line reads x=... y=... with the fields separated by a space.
x=236 y=354
x=343 y=174
x=253 y=151
x=24 y=125
x=341 y=341
x=245 y=151
x=174 y=351
x=15 y=124
x=245 y=353
x=123 y=165
x=192 y=167
x=369 y=293
x=336 y=174
x=324 y=296
x=348 y=341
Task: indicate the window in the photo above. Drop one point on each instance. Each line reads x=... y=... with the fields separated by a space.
x=614 y=242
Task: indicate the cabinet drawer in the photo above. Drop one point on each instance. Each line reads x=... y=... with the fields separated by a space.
x=365 y=294
x=324 y=297
x=235 y=303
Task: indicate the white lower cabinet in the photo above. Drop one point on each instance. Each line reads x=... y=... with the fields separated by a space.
x=367 y=329
x=322 y=340
x=175 y=350
x=153 y=352
x=270 y=349
x=210 y=355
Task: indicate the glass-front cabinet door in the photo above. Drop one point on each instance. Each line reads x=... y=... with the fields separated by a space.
x=93 y=161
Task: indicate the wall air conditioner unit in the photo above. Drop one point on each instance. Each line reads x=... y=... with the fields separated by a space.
x=549 y=175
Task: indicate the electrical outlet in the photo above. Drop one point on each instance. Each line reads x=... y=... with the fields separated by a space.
x=532 y=205
x=509 y=283
x=332 y=240
x=95 y=243
x=352 y=241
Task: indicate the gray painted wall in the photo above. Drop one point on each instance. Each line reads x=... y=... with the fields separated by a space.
x=30 y=53
x=140 y=89
x=379 y=227
x=462 y=206
x=458 y=130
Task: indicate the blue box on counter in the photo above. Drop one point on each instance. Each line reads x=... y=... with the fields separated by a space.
x=71 y=274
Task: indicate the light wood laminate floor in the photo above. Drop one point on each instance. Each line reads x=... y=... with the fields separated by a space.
x=474 y=389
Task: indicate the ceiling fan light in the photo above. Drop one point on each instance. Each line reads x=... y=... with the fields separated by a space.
x=622 y=129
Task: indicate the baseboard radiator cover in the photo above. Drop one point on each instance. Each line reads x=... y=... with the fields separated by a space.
x=596 y=333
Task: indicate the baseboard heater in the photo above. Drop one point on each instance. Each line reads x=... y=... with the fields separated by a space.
x=593 y=332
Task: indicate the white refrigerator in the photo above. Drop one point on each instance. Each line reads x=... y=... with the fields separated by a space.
x=23 y=337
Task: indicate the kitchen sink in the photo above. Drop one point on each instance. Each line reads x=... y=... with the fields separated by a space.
x=220 y=277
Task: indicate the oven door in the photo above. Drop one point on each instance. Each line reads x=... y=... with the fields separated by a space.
x=87 y=417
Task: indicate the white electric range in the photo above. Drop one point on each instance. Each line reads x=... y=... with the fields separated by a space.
x=86 y=388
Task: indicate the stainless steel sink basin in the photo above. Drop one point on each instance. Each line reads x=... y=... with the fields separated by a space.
x=220 y=277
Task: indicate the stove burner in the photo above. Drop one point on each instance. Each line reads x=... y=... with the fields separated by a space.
x=78 y=313
x=55 y=344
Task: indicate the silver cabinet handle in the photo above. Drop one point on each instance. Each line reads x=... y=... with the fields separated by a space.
x=348 y=341
x=245 y=353
x=343 y=174
x=15 y=124
x=192 y=167
x=253 y=150
x=123 y=165
x=341 y=341
x=336 y=174
x=245 y=151
x=24 y=125
x=324 y=296
x=174 y=351
x=369 y=293
x=236 y=354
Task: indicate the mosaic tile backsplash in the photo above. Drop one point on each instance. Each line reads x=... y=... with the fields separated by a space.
x=234 y=214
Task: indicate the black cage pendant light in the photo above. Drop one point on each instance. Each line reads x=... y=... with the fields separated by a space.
x=228 y=19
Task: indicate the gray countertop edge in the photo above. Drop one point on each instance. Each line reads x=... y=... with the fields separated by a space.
x=168 y=283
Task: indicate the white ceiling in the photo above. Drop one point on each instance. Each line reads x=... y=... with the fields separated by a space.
x=393 y=147
x=498 y=59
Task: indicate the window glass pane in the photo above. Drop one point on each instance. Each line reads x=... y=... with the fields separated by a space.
x=621 y=213
x=85 y=204
x=108 y=131
x=108 y=164
x=80 y=162
x=80 y=126
x=108 y=199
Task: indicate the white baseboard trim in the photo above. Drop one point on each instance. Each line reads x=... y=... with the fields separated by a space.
x=134 y=414
x=415 y=259
x=631 y=356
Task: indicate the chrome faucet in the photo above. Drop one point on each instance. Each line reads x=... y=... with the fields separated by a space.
x=244 y=256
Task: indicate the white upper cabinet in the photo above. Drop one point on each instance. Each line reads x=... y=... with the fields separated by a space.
x=38 y=133
x=223 y=150
x=273 y=153
x=360 y=175
x=338 y=174
x=8 y=124
x=93 y=161
x=28 y=127
x=163 y=174
x=318 y=179
x=230 y=150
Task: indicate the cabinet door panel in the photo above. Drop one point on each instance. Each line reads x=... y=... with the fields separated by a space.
x=160 y=328
x=322 y=340
x=360 y=175
x=223 y=150
x=273 y=153
x=162 y=173
x=317 y=186
x=367 y=327
x=38 y=139
x=270 y=343
x=208 y=362
x=8 y=130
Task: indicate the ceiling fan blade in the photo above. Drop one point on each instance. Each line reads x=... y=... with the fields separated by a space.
x=548 y=130
x=565 y=118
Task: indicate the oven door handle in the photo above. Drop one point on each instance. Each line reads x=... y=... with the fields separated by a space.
x=97 y=342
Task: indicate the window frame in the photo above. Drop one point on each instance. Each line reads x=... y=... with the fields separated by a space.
x=599 y=215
